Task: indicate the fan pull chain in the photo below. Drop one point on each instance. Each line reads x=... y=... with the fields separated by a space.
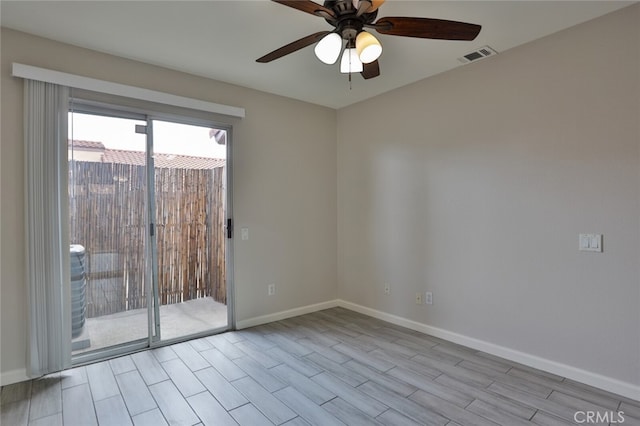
x=348 y=44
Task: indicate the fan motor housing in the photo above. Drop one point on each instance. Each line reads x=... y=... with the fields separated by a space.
x=349 y=28
x=340 y=7
x=348 y=24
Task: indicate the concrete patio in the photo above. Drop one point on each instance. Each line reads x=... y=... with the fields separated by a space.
x=176 y=320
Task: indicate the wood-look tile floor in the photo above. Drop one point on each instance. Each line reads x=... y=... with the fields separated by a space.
x=329 y=367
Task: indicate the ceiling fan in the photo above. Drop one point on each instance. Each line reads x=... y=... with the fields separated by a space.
x=362 y=50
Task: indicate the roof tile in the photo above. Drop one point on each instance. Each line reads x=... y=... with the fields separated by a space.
x=163 y=161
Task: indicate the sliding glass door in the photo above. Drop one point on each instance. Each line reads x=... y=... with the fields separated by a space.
x=190 y=215
x=147 y=203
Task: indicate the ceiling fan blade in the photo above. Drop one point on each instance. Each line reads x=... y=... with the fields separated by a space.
x=427 y=28
x=370 y=70
x=309 y=7
x=293 y=47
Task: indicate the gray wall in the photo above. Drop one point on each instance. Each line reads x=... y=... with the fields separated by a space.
x=284 y=185
x=475 y=184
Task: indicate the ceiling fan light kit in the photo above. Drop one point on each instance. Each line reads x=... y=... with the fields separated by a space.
x=349 y=18
x=328 y=49
x=368 y=47
x=350 y=62
x=375 y=4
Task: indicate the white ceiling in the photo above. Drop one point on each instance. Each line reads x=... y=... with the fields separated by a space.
x=222 y=39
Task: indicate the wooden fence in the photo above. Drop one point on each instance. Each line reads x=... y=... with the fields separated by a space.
x=107 y=217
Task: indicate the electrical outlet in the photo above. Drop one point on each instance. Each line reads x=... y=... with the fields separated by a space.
x=418 y=298
x=271 y=289
x=387 y=289
x=428 y=299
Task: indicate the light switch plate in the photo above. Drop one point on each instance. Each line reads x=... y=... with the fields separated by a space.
x=590 y=242
x=428 y=298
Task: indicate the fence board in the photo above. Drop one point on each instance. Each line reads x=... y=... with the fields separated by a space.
x=107 y=217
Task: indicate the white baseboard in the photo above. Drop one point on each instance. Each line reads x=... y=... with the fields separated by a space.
x=609 y=384
x=619 y=387
x=13 y=376
x=277 y=316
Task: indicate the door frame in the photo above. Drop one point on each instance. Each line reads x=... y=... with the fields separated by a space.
x=81 y=105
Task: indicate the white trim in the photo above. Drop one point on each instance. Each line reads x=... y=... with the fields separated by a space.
x=103 y=86
x=13 y=376
x=277 y=316
x=593 y=379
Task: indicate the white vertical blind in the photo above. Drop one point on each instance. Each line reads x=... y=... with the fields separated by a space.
x=48 y=272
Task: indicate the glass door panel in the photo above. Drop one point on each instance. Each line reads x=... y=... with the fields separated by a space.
x=190 y=215
x=108 y=232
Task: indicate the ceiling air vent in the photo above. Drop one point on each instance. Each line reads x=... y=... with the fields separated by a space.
x=476 y=55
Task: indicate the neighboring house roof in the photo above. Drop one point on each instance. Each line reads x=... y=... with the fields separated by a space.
x=138 y=158
x=163 y=161
x=85 y=145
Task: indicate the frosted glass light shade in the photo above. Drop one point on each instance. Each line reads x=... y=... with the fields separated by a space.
x=368 y=47
x=350 y=62
x=328 y=49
